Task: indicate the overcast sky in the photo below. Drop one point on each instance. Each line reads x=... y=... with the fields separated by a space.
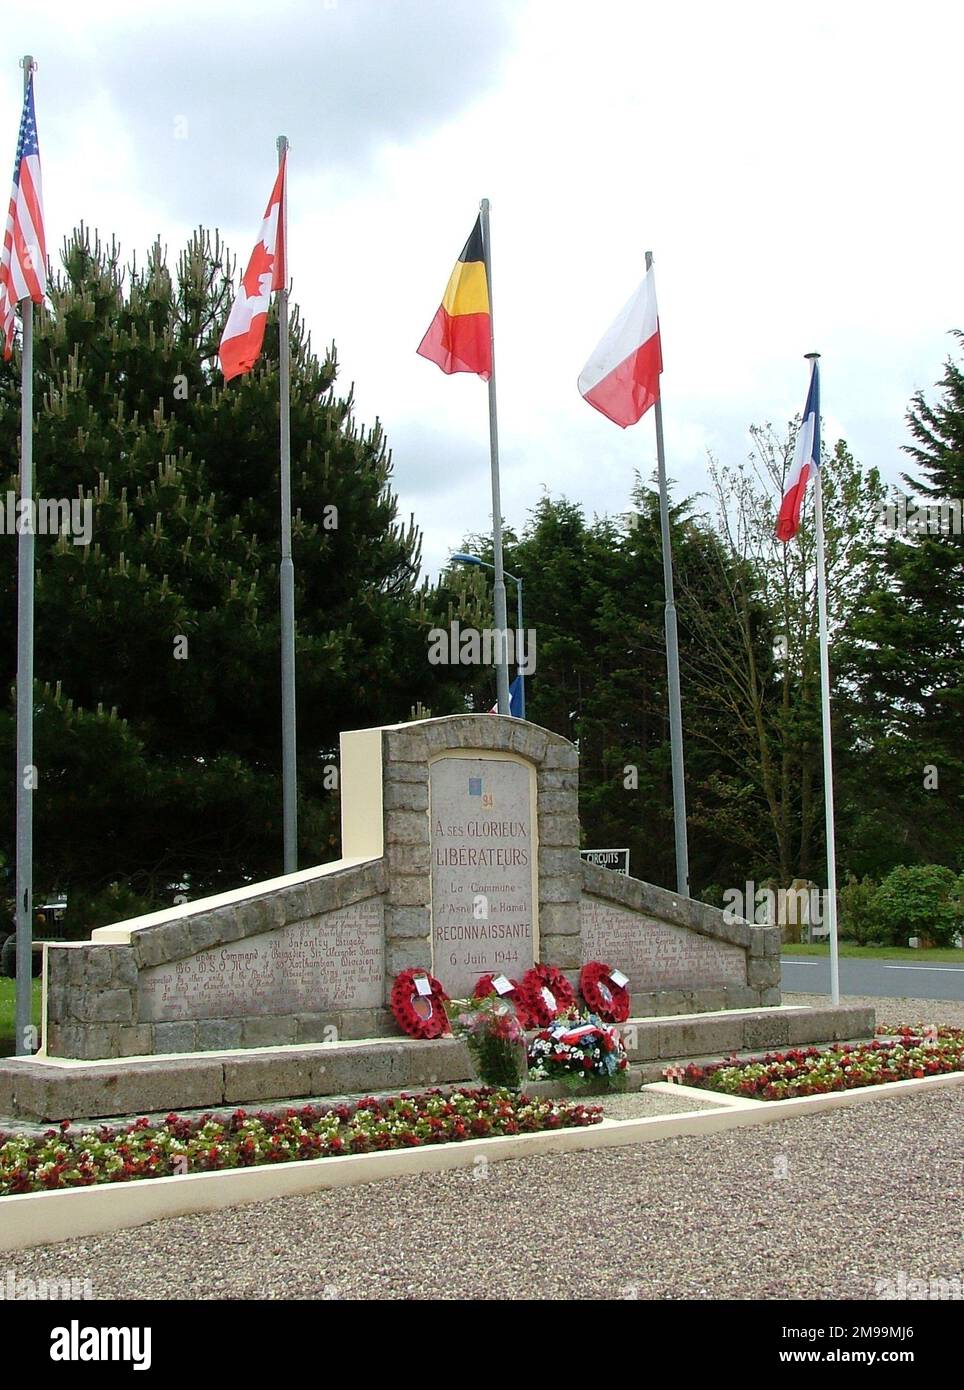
x=795 y=170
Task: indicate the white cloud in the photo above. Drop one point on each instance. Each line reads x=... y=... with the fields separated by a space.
x=792 y=170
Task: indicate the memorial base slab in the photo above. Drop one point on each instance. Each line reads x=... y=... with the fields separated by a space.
x=48 y=1090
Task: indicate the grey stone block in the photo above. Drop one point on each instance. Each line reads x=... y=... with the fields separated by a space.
x=135 y=1040
x=557 y=779
x=559 y=919
x=253 y=916
x=218 y=1034
x=770 y=998
x=267 y=1076
x=400 y=771
x=641 y=1038
x=763 y=973
x=642 y=1005
x=347 y=1070
x=559 y=863
x=558 y=803
x=296 y=904
x=125 y=968
x=410 y=890
x=562 y=756
x=772 y=941
x=558 y=888
x=366 y=1023
x=408 y=954
x=100 y=966
x=529 y=740
x=558 y=830
x=407 y=859
x=272 y=1030
x=673 y=1001
x=408 y=922
x=174 y=1037
x=406 y=796
x=709 y=1000
x=106 y=1006
x=765 y=1031
x=406 y=827
x=701 y=1038
x=562 y=951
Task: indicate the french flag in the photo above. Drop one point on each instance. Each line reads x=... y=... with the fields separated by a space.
x=621 y=378
x=806 y=461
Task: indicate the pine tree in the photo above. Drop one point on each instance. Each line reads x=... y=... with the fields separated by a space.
x=907 y=655
x=170 y=617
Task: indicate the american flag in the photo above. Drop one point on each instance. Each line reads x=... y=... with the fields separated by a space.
x=23 y=266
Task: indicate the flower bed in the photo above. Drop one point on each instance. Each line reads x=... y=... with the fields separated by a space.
x=62 y=1158
x=812 y=1071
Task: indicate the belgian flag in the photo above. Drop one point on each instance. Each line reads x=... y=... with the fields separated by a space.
x=460 y=336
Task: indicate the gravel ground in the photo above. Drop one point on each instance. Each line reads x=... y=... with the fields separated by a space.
x=818 y=1208
x=639 y=1105
x=916 y=1012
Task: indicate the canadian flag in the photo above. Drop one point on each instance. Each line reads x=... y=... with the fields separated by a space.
x=267 y=270
x=621 y=378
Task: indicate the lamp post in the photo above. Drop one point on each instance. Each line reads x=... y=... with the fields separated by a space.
x=463 y=559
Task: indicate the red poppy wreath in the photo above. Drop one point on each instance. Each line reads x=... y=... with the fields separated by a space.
x=419 y=1015
x=484 y=987
x=604 y=997
x=545 y=993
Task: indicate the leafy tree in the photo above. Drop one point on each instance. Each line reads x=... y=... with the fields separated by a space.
x=761 y=667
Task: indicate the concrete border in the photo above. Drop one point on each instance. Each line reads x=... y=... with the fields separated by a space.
x=89 y=1211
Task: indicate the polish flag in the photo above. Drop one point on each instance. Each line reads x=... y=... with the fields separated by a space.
x=621 y=378
x=267 y=270
x=806 y=461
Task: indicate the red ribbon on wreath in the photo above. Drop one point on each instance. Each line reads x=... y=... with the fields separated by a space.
x=419 y=1015
x=545 y=993
x=604 y=997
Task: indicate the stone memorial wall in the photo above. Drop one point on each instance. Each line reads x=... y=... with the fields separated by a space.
x=460 y=843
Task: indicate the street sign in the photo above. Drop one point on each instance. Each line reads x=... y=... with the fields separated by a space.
x=615 y=859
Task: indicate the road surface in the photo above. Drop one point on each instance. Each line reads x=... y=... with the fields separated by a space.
x=881 y=979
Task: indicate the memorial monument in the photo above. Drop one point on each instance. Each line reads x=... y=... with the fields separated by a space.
x=460 y=856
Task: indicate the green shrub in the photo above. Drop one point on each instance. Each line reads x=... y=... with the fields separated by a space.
x=923 y=900
x=857 y=911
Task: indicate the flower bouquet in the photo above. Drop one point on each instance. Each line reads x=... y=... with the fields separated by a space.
x=579 y=1048
x=495 y=1039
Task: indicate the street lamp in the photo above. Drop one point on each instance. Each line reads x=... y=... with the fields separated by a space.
x=463 y=559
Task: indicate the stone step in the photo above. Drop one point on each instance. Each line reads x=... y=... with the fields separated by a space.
x=48 y=1090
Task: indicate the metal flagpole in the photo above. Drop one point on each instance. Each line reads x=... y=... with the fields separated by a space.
x=672 y=661
x=26 y=778
x=825 y=699
x=289 y=740
x=501 y=620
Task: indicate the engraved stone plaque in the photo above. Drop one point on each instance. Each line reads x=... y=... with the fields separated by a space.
x=657 y=955
x=332 y=962
x=483 y=869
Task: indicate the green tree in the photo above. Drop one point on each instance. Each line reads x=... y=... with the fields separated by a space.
x=170 y=617
x=906 y=655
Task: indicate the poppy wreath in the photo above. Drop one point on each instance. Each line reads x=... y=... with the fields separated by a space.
x=484 y=987
x=419 y=1015
x=540 y=984
x=604 y=997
